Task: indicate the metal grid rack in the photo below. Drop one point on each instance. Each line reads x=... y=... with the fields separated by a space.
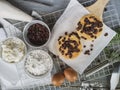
x=100 y=68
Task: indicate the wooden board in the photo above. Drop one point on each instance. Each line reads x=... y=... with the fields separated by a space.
x=98 y=7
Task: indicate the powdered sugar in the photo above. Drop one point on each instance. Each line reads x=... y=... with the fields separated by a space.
x=13 y=50
x=38 y=63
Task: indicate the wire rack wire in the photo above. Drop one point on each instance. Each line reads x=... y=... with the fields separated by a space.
x=100 y=68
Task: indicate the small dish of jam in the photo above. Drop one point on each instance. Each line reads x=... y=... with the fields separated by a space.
x=36 y=34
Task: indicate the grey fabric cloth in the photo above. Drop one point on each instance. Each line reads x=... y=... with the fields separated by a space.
x=40 y=6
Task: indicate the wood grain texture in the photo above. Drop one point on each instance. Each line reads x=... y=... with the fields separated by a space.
x=98 y=7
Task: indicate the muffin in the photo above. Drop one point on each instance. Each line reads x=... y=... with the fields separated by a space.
x=89 y=27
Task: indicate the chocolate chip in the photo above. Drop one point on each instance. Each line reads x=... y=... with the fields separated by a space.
x=91 y=49
x=95 y=37
x=94 y=24
x=62 y=52
x=70 y=56
x=79 y=23
x=59 y=42
x=106 y=34
x=38 y=34
x=87 y=21
x=91 y=45
x=95 y=31
x=59 y=38
x=81 y=31
x=100 y=29
x=59 y=49
x=83 y=37
x=87 y=52
x=76 y=34
x=63 y=39
x=66 y=54
x=92 y=36
x=100 y=24
x=66 y=33
x=78 y=28
x=92 y=16
x=84 y=46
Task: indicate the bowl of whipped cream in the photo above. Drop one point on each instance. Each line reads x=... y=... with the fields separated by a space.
x=38 y=64
x=12 y=50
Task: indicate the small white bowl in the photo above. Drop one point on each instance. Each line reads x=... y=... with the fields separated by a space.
x=46 y=73
x=25 y=50
x=25 y=31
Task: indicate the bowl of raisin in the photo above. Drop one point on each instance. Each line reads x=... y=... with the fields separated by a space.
x=36 y=34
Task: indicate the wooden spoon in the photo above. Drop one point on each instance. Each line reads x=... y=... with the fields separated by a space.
x=98 y=7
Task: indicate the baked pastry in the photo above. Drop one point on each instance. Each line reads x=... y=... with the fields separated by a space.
x=69 y=45
x=89 y=27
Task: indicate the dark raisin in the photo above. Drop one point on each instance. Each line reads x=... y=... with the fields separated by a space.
x=87 y=52
x=86 y=20
x=70 y=56
x=95 y=31
x=62 y=52
x=100 y=24
x=100 y=29
x=81 y=31
x=95 y=37
x=91 y=45
x=59 y=38
x=36 y=32
x=63 y=40
x=66 y=33
x=79 y=23
x=84 y=46
x=79 y=26
x=91 y=49
x=66 y=54
x=106 y=34
x=92 y=36
x=59 y=42
x=83 y=37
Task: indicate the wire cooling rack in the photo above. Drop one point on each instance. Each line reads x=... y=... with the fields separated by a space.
x=101 y=68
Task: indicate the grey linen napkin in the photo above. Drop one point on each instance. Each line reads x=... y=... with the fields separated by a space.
x=40 y=6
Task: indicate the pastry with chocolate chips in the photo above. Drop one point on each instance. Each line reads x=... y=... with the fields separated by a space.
x=89 y=27
x=69 y=45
